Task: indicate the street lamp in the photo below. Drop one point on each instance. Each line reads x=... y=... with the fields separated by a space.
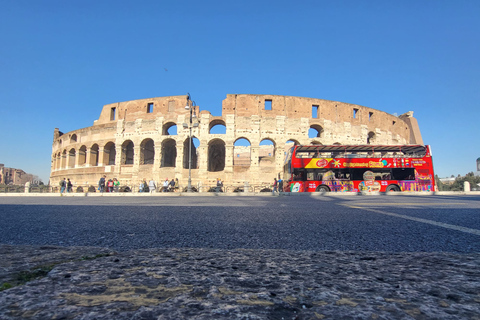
x=190 y=106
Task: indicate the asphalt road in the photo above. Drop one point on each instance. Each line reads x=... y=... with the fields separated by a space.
x=357 y=223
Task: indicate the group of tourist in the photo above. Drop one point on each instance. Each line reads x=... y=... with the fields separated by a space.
x=168 y=186
x=66 y=185
x=277 y=186
x=112 y=185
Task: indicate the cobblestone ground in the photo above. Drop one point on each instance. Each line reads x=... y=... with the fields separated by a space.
x=95 y=283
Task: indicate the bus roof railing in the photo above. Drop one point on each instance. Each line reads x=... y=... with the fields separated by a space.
x=405 y=149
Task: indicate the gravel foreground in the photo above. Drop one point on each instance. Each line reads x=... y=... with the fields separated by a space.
x=173 y=283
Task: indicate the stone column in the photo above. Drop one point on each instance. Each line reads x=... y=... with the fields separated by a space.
x=101 y=156
x=157 y=161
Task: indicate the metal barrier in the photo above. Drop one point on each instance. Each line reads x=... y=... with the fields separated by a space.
x=135 y=189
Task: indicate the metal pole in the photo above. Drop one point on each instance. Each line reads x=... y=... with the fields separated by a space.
x=189 y=189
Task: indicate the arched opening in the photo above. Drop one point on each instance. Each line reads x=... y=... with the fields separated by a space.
x=147 y=151
x=216 y=155
x=314 y=142
x=64 y=159
x=169 y=153
x=217 y=127
x=242 y=152
x=315 y=131
x=59 y=161
x=54 y=164
x=266 y=153
x=337 y=144
x=289 y=144
x=94 y=155
x=71 y=158
x=371 y=138
x=73 y=138
x=82 y=155
x=109 y=154
x=169 y=129
x=186 y=153
x=127 y=152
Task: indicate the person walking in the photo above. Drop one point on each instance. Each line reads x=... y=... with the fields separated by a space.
x=63 y=185
x=69 y=186
x=152 y=186
x=275 y=186
x=101 y=184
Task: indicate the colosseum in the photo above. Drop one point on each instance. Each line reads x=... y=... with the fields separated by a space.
x=154 y=138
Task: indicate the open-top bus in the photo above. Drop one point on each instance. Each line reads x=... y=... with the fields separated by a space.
x=358 y=168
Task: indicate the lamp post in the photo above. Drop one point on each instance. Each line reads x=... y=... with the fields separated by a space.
x=191 y=107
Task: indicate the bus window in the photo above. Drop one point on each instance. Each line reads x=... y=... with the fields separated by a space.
x=403 y=173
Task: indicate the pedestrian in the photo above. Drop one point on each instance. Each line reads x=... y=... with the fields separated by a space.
x=63 y=185
x=152 y=186
x=101 y=184
x=171 y=185
x=69 y=186
x=116 y=185
x=280 y=185
x=177 y=184
x=110 y=185
x=219 y=185
x=165 y=185
x=143 y=186
x=275 y=186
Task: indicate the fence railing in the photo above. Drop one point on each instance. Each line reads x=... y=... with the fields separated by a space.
x=135 y=189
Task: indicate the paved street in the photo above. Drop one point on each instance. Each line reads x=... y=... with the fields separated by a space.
x=360 y=223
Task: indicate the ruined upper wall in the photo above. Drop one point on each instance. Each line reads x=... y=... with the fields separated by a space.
x=272 y=106
x=267 y=107
x=147 y=109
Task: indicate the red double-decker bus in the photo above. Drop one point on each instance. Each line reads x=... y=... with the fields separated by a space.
x=358 y=168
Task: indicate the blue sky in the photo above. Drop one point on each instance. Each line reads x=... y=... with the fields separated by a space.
x=61 y=61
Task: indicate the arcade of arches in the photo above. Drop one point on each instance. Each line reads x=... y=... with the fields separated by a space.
x=150 y=138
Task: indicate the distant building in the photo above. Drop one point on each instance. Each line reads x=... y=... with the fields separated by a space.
x=14 y=176
x=447 y=181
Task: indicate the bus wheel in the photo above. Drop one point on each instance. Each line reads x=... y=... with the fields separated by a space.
x=393 y=187
x=322 y=189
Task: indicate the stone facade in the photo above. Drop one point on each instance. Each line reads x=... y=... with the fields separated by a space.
x=136 y=140
x=12 y=176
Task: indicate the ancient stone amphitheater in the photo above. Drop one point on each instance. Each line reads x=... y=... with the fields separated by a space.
x=150 y=138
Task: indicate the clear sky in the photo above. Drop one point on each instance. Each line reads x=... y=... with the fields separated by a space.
x=61 y=61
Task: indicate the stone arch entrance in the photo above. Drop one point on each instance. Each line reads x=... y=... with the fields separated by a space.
x=109 y=154
x=94 y=155
x=371 y=138
x=266 y=154
x=169 y=129
x=186 y=154
x=82 y=155
x=216 y=155
x=169 y=153
x=128 y=152
x=147 y=151
x=315 y=131
x=217 y=126
x=242 y=152
x=71 y=158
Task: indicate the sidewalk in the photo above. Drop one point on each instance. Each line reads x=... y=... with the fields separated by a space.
x=189 y=283
x=237 y=194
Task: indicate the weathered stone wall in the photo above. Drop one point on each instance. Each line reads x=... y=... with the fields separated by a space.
x=135 y=140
